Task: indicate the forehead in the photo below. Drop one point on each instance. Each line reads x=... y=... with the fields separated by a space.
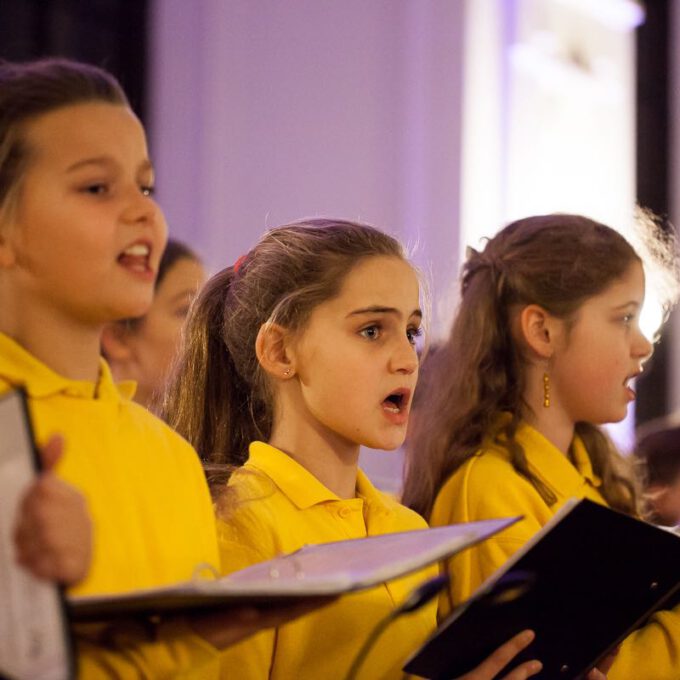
x=629 y=288
x=380 y=280
x=89 y=130
x=185 y=274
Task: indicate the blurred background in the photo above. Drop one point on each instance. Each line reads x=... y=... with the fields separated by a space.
x=436 y=120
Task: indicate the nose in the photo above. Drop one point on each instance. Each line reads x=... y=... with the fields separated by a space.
x=141 y=208
x=404 y=358
x=642 y=348
x=142 y=211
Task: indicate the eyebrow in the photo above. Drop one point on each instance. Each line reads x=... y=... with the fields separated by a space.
x=384 y=310
x=100 y=161
x=631 y=303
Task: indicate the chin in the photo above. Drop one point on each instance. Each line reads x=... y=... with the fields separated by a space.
x=391 y=444
x=610 y=418
x=133 y=309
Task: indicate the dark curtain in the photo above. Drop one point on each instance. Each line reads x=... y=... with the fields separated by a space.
x=108 y=33
x=653 y=178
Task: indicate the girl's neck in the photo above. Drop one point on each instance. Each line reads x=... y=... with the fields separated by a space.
x=70 y=349
x=332 y=460
x=553 y=425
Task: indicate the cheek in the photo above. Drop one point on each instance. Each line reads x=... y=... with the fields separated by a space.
x=166 y=336
x=330 y=381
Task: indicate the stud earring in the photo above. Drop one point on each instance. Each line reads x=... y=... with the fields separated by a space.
x=286 y=373
x=546 y=390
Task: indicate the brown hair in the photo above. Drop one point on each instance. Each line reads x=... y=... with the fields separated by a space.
x=30 y=89
x=219 y=398
x=557 y=262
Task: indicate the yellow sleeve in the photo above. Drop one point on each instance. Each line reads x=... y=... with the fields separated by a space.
x=236 y=540
x=170 y=650
x=485 y=488
x=651 y=652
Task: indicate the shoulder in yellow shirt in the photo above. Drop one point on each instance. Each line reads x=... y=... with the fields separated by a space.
x=151 y=511
x=487 y=486
x=277 y=507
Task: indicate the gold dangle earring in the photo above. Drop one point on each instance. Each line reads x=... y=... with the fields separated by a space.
x=546 y=390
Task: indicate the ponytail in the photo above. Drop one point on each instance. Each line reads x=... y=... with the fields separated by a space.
x=207 y=401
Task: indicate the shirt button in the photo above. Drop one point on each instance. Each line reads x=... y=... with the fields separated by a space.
x=345 y=512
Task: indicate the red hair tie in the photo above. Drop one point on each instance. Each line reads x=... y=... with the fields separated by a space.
x=238 y=263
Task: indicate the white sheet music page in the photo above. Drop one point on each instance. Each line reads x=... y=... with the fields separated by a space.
x=34 y=640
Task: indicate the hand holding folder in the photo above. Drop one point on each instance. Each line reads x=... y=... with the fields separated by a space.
x=53 y=535
x=34 y=637
x=583 y=583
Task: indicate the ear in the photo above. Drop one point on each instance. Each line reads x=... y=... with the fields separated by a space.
x=539 y=330
x=115 y=343
x=271 y=347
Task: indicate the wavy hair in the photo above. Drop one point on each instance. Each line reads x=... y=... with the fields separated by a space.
x=555 y=261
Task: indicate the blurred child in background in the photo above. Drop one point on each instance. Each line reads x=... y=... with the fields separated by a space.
x=143 y=349
x=657 y=458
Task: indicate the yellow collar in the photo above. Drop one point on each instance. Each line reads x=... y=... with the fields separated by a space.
x=21 y=369
x=301 y=486
x=551 y=465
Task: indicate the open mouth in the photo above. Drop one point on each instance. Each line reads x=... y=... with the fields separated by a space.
x=631 y=378
x=629 y=384
x=136 y=257
x=396 y=401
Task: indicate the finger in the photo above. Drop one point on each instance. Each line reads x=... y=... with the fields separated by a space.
x=51 y=453
x=526 y=670
x=606 y=663
x=504 y=654
x=596 y=675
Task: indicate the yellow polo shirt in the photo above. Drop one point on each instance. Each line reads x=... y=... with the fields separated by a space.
x=279 y=506
x=148 y=499
x=487 y=486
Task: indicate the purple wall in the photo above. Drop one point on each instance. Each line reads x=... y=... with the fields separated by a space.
x=264 y=112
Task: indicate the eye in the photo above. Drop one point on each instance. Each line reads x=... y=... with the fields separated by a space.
x=96 y=189
x=413 y=334
x=148 y=190
x=371 y=332
x=628 y=319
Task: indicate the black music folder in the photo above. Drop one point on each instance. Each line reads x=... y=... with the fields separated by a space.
x=583 y=583
x=35 y=641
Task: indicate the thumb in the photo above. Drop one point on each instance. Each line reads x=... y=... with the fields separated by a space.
x=51 y=452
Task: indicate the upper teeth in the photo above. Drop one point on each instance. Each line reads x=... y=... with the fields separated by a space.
x=138 y=249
